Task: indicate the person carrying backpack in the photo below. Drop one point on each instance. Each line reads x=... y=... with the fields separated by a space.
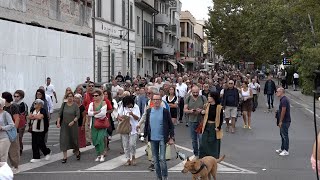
x=193 y=107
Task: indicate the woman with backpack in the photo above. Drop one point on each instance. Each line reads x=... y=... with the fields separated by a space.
x=23 y=112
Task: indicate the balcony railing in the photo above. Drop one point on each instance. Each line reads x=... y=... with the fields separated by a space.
x=152 y=42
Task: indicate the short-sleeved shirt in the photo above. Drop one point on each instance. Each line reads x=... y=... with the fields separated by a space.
x=156 y=124
x=284 y=102
x=50 y=89
x=194 y=104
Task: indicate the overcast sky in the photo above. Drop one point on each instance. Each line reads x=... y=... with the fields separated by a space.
x=198 y=8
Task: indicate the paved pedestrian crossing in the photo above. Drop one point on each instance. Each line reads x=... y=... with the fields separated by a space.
x=114 y=162
x=53 y=136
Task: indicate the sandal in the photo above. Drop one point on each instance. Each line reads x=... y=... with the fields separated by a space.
x=64 y=161
x=128 y=163
x=78 y=156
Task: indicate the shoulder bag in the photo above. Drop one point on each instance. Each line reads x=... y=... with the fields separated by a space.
x=12 y=133
x=124 y=127
x=101 y=123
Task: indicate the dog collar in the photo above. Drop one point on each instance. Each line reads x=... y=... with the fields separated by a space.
x=201 y=167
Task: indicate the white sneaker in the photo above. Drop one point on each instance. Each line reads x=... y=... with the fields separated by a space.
x=15 y=170
x=35 y=160
x=102 y=158
x=279 y=151
x=97 y=159
x=284 y=153
x=48 y=156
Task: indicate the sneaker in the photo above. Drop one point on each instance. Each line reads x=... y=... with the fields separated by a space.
x=279 y=151
x=151 y=167
x=249 y=127
x=15 y=170
x=244 y=126
x=187 y=124
x=284 y=153
x=48 y=156
x=34 y=160
x=102 y=158
x=97 y=159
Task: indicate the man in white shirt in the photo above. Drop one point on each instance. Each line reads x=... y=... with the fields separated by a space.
x=114 y=88
x=50 y=90
x=49 y=100
x=182 y=90
x=158 y=84
x=295 y=80
x=255 y=87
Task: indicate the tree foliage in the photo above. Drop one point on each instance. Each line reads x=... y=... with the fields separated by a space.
x=264 y=31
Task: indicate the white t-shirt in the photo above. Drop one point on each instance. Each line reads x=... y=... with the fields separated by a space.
x=50 y=89
x=114 y=90
x=157 y=85
x=136 y=111
x=254 y=87
x=296 y=76
x=181 y=90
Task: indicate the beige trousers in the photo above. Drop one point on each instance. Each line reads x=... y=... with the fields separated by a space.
x=4 y=149
x=14 y=153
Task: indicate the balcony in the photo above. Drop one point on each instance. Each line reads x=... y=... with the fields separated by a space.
x=162 y=20
x=171 y=29
x=146 y=5
x=167 y=49
x=152 y=43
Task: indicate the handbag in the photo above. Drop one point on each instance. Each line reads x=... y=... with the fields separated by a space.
x=124 y=127
x=149 y=152
x=101 y=123
x=12 y=133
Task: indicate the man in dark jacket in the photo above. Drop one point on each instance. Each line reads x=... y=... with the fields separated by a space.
x=230 y=104
x=160 y=131
x=270 y=90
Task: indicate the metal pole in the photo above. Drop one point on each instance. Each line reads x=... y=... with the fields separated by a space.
x=94 y=38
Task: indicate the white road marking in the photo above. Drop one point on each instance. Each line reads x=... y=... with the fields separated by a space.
x=116 y=162
x=56 y=157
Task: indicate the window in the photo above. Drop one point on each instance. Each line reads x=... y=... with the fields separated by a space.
x=131 y=16
x=138 y=25
x=99 y=8
x=112 y=61
x=123 y=13
x=124 y=64
x=112 y=10
x=99 y=66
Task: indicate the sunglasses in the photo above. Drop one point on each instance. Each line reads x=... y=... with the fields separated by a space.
x=16 y=96
x=91 y=86
x=95 y=95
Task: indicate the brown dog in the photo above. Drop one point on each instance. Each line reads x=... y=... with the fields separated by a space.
x=203 y=167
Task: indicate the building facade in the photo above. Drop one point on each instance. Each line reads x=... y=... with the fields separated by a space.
x=114 y=39
x=187 y=53
x=41 y=39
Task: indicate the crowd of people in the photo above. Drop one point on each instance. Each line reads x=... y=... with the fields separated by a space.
x=145 y=107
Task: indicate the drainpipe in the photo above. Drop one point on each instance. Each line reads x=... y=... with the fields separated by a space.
x=94 y=37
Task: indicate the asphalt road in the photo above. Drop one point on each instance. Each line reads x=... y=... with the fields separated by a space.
x=250 y=154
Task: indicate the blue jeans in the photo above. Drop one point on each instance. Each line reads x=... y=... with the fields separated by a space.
x=196 y=138
x=159 y=159
x=270 y=99
x=285 y=136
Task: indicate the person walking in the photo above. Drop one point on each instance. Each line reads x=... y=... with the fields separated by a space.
x=182 y=90
x=40 y=124
x=295 y=80
x=81 y=121
x=284 y=121
x=246 y=106
x=23 y=113
x=255 y=88
x=211 y=128
x=69 y=115
x=269 y=90
x=6 y=124
x=230 y=104
x=98 y=109
x=193 y=106
x=14 y=150
x=172 y=100
x=129 y=141
x=50 y=90
x=160 y=131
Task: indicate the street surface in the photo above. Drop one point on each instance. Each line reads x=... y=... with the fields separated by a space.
x=250 y=154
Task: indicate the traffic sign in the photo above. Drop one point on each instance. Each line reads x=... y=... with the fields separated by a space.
x=286 y=61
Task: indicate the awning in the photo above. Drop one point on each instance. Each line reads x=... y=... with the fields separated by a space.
x=181 y=64
x=173 y=64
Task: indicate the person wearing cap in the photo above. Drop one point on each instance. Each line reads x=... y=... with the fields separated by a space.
x=40 y=124
x=50 y=90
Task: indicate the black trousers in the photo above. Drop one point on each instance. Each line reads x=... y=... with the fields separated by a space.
x=39 y=144
x=181 y=106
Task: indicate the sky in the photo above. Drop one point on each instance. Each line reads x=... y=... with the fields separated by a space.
x=198 y=8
